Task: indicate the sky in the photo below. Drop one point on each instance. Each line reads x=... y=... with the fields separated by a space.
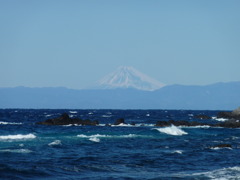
x=74 y=43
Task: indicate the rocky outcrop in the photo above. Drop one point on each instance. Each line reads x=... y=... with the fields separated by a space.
x=64 y=119
x=232 y=123
x=221 y=146
x=235 y=114
x=119 y=121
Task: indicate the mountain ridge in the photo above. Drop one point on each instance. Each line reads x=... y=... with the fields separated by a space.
x=218 y=96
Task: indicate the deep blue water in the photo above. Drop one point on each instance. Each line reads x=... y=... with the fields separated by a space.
x=143 y=151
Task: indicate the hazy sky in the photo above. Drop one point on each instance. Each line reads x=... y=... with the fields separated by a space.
x=74 y=43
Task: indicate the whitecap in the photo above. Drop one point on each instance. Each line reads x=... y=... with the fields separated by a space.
x=123 y=125
x=218 y=148
x=55 y=143
x=109 y=136
x=219 y=119
x=10 y=123
x=17 y=137
x=203 y=126
x=73 y=112
x=94 y=139
x=178 y=151
x=106 y=116
x=16 y=150
x=172 y=130
x=222 y=174
x=92 y=136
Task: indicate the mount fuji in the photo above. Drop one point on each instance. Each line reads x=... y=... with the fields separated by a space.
x=128 y=77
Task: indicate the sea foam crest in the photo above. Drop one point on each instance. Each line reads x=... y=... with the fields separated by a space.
x=94 y=139
x=16 y=150
x=11 y=123
x=172 y=130
x=55 y=143
x=18 y=136
x=91 y=137
x=223 y=174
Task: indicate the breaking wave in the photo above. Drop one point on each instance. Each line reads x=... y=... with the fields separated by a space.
x=55 y=143
x=16 y=150
x=108 y=136
x=172 y=130
x=11 y=123
x=17 y=137
x=94 y=139
x=223 y=174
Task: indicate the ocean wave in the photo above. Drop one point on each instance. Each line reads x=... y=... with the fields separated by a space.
x=131 y=125
x=218 y=148
x=108 y=136
x=16 y=150
x=219 y=119
x=9 y=123
x=17 y=137
x=204 y=126
x=224 y=173
x=178 y=151
x=106 y=116
x=172 y=130
x=55 y=143
x=94 y=139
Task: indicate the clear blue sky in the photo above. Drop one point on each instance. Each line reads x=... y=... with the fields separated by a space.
x=74 y=43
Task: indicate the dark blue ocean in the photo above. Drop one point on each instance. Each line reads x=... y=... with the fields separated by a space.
x=142 y=151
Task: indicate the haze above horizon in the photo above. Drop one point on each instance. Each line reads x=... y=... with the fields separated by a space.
x=75 y=43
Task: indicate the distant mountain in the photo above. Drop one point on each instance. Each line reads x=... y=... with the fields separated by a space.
x=219 y=96
x=128 y=77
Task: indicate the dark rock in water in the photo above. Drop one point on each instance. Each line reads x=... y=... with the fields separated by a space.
x=235 y=114
x=119 y=121
x=222 y=146
x=232 y=123
x=64 y=119
x=202 y=116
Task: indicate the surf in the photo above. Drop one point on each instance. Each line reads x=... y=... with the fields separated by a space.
x=172 y=130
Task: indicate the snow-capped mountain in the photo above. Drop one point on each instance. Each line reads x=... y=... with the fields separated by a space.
x=128 y=77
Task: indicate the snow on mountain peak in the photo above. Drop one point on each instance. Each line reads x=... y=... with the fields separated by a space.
x=129 y=77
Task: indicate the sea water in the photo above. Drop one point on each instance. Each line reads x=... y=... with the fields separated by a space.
x=140 y=151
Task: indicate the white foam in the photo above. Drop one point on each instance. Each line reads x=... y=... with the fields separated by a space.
x=17 y=137
x=219 y=119
x=94 y=139
x=123 y=125
x=107 y=136
x=218 y=148
x=178 y=151
x=16 y=150
x=222 y=174
x=203 y=126
x=172 y=130
x=130 y=125
x=106 y=116
x=12 y=123
x=73 y=112
x=55 y=143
